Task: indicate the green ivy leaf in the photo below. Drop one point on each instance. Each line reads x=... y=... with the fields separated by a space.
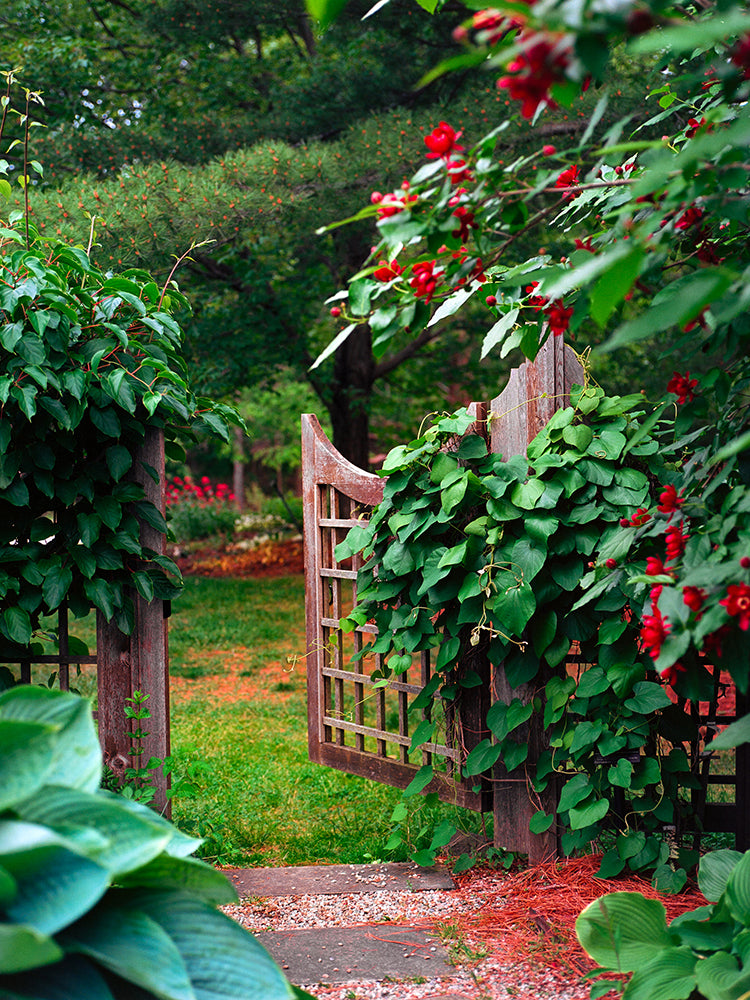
x=17 y=625
x=420 y=781
x=119 y=461
x=482 y=757
x=540 y=822
x=588 y=814
x=514 y=607
x=647 y=697
x=575 y=790
x=611 y=865
x=57 y=582
x=620 y=774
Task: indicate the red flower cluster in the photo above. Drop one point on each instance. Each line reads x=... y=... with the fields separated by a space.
x=424 y=279
x=670 y=500
x=391 y=204
x=441 y=141
x=695 y=126
x=458 y=171
x=737 y=603
x=655 y=627
x=584 y=244
x=536 y=69
x=655 y=567
x=179 y=490
x=466 y=222
x=492 y=25
x=536 y=301
x=568 y=179
x=386 y=271
x=694 y=597
x=740 y=56
x=558 y=317
x=670 y=675
x=692 y=216
x=556 y=313
x=682 y=386
x=700 y=320
x=676 y=541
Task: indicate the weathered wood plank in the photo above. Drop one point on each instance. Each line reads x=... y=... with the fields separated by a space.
x=138 y=662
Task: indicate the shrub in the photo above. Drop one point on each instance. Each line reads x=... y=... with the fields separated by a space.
x=99 y=897
x=200 y=510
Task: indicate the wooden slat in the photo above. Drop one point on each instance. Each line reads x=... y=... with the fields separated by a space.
x=349 y=675
x=439 y=749
x=50 y=659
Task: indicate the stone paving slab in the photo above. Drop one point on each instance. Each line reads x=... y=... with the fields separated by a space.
x=351 y=954
x=323 y=880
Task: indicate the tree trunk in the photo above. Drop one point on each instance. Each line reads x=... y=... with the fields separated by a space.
x=238 y=469
x=349 y=400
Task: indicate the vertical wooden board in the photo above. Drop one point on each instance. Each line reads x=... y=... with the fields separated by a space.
x=323 y=470
x=138 y=662
x=533 y=393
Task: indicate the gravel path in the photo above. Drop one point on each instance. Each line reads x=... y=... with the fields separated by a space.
x=484 y=969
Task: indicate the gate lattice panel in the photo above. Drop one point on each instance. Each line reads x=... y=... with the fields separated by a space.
x=356 y=724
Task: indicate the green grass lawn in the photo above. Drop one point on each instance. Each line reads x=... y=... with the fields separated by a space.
x=239 y=732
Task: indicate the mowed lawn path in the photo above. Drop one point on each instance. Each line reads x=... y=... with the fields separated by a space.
x=239 y=732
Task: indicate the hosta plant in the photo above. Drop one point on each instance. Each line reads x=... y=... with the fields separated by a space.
x=100 y=898
x=702 y=955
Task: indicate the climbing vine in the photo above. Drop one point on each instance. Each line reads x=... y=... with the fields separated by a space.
x=521 y=560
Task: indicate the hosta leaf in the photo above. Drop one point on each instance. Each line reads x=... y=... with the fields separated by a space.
x=738 y=890
x=205 y=937
x=56 y=885
x=77 y=760
x=73 y=977
x=623 y=930
x=669 y=976
x=130 y=841
x=24 y=948
x=135 y=947
x=719 y=977
x=26 y=753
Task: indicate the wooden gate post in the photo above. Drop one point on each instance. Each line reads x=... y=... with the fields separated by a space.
x=533 y=393
x=138 y=662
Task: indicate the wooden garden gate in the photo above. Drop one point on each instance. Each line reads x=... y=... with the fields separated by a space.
x=359 y=727
x=354 y=724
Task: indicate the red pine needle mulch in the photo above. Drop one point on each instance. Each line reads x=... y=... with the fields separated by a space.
x=530 y=916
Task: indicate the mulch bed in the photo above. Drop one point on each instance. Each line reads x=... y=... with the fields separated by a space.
x=531 y=915
x=269 y=559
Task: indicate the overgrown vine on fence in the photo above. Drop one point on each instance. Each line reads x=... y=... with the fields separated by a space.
x=521 y=559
